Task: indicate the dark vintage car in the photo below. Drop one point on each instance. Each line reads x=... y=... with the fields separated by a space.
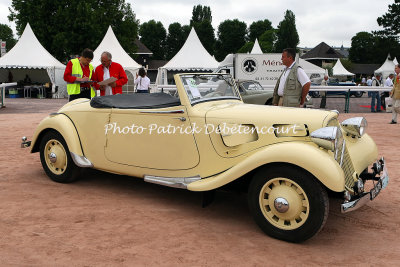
x=335 y=82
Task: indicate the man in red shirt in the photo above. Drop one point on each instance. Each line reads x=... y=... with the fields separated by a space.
x=78 y=71
x=109 y=69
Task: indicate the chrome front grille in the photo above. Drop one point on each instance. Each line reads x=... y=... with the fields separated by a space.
x=343 y=158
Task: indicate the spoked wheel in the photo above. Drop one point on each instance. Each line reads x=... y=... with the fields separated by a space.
x=56 y=159
x=288 y=203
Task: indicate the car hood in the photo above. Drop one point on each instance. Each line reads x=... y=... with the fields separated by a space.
x=261 y=115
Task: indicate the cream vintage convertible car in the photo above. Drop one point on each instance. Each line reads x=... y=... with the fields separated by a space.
x=286 y=159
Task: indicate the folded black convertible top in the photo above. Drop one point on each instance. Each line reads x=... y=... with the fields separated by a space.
x=135 y=101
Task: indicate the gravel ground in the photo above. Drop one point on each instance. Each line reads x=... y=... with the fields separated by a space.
x=110 y=220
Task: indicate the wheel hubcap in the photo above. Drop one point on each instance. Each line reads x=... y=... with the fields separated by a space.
x=55 y=157
x=284 y=203
x=281 y=204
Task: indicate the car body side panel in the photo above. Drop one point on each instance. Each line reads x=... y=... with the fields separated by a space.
x=154 y=139
x=305 y=155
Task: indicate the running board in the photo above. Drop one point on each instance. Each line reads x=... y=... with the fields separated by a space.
x=81 y=161
x=177 y=182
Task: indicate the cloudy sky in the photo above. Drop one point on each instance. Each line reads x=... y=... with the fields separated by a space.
x=332 y=21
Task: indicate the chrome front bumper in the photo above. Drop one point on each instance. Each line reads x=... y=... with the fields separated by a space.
x=366 y=197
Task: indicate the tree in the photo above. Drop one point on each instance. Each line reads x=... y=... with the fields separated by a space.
x=267 y=41
x=6 y=34
x=246 y=48
x=362 y=48
x=231 y=37
x=175 y=39
x=372 y=48
x=390 y=21
x=153 y=35
x=66 y=27
x=257 y=28
x=287 y=36
x=201 y=22
x=200 y=14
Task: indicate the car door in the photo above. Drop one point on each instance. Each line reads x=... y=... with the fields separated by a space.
x=151 y=138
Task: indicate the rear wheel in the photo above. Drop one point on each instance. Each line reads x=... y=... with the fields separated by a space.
x=358 y=94
x=56 y=159
x=288 y=203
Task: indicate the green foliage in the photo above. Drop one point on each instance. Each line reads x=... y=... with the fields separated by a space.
x=259 y=27
x=231 y=37
x=201 y=13
x=390 y=21
x=246 y=48
x=175 y=39
x=267 y=41
x=347 y=64
x=66 y=27
x=287 y=36
x=153 y=35
x=372 y=48
x=6 y=34
x=201 y=22
x=362 y=48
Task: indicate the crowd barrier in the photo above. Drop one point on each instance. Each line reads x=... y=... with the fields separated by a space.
x=347 y=89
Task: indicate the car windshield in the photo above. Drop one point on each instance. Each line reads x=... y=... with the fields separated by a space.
x=207 y=87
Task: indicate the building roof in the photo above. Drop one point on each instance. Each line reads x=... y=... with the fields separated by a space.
x=367 y=69
x=142 y=49
x=322 y=51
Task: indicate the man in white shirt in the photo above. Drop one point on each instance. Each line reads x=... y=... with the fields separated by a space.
x=389 y=81
x=293 y=84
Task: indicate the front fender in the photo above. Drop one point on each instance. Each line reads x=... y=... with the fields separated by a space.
x=305 y=155
x=62 y=124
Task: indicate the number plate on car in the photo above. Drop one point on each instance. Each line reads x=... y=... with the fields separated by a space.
x=381 y=184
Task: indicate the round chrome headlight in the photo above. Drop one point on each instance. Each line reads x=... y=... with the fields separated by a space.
x=327 y=137
x=356 y=126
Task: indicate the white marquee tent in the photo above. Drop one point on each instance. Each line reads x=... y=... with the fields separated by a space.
x=395 y=61
x=339 y=70
x=191 y=57
x=256 y=48
x=29 y=57
x=386 y=68
x=111 y=44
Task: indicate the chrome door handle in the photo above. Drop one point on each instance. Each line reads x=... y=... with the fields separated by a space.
x=181 y=118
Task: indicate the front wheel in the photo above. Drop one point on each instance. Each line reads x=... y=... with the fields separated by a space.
x=288 y=203
x=56 y=158
x=358 y=94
